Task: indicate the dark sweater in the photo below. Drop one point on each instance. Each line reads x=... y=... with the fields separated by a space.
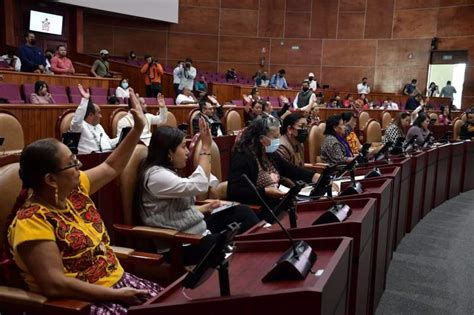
x=31 y=57
x=243 y=163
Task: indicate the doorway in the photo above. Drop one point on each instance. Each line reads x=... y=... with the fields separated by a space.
x=441 y=74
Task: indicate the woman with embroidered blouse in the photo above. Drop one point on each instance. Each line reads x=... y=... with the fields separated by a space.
x=57 y=237
x=335 y=148
x=167 y=200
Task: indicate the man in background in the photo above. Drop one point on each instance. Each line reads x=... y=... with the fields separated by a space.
x=60 y=64
x=153 y=72
x=32 y=58
x=363 y=87
x=448 y=91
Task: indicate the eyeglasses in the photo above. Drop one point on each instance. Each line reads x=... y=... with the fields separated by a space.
x=76 y=163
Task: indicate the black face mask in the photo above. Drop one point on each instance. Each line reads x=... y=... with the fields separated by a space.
x=305 y=89
x=302 y=135
x=33 y=41
x=263 y=77
x=105 y=57
x=311 y=78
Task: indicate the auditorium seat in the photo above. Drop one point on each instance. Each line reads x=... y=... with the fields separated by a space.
x=57 y=89
x=115 y=117
x=238 y=102
x=192 y=114
x=64 y=123
x=99 y=99
x=11 y=92
x=61 y=98
x=232 y=121
x=386 y=119
x=75 y=98
x=151 y=100
x=315 y=140
x=169 y=101
x=28 y=89
x=457 y=124
x=171 y=120
x=12 y=132
x=373 y=132
x=434 y=117
x=73 y=90
x=98 y=91
x=112 y=91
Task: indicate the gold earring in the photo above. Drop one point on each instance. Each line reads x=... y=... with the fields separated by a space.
x=56 y=198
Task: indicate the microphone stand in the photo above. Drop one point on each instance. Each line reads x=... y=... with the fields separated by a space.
x=297 y=261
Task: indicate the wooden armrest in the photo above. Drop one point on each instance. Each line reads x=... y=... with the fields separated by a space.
x=66 y=306
x=159 y=233
x=18 y=296
x=318 y=167
x=255 y=208
x=130 y=254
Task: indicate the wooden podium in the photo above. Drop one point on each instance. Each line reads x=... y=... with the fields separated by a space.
x=430 y=179
x=442 y=175
x=417 y=189
x=456 y=157
x=359 y=226
x=326 y=292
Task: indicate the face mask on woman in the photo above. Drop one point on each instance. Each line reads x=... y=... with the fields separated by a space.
x=125 y=85
x=302 y=135
x=273 y=146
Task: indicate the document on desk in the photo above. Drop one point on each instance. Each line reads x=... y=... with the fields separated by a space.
x=224 y=206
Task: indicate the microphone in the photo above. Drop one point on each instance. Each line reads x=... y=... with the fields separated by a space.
x=297 y=261
x=427 y=140
x=411 y=142
x=337 y=213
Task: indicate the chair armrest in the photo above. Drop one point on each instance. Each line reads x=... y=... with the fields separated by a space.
x=66 y=306
x=318 y=167
x=129 y=254
x=158 y=233
x=255 y=208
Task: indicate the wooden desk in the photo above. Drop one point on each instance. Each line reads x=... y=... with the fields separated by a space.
x=325 y=294
x=417 y=189
x=359 y=226
x=381 y=190
x=429 y=182
x=65 y=80
x=439 y=130
x=442 y=175
x=468 y=169
x=456 y=157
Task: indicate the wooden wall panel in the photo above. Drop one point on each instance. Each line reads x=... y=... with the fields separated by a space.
x=445 y=3
x=297 y=24
x=184 y=45
x=309 y=52
x=241 y=4
x=143 y=42
x=98 y=37
x=393 y=79
x=415 y=23
x=397 y=52
x=238 y=22
x=349 y=52
x=352 y=5
x=380 y=19
x=197 y=20
x=345 y=78
x=351 y=25
x=324 y=19
x=247 y=69
x=294 y=74
x=458 y=43
x=200 y=3
x=416 y=4
x=271 y=18
x=241 y=49
x=298 y=5
x=456 y=21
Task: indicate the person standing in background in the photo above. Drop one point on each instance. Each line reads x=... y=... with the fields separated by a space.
x=363 y=87
x=448 y=91
x=32 y=58
x=187 y=73
x=153 y=72
x=177 y=77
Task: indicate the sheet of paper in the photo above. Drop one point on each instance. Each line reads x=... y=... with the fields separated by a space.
x=223 y=207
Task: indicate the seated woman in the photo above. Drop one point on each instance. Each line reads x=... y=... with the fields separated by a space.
x=255 y=156
x=41 y=95
x=123 y=90
x=420 y=129
x=445 y=117
x=253 y=110
x=313 y=117
x=294 y=134
x=350 y=121
x=335 y=148
x=396 y=129
x=167 y=200
x=57 y=237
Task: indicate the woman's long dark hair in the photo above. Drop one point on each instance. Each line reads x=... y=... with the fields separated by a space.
x=331 y=122
x=398 y=121
x=36 y=160
x=290 y=120
x=420 y=119
x=164 y=140
x=249 y=142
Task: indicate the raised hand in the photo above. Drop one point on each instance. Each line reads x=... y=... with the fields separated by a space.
x=284 y=99
x=247 y=99
x=84 y=92
x=205 y=133
x=161 y=100
x=137 y=111
x=213 y=100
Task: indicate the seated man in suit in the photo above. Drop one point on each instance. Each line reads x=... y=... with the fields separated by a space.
x=212 y=112
x=86 y=120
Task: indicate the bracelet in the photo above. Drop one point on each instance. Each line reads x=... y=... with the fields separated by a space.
x=205 y=153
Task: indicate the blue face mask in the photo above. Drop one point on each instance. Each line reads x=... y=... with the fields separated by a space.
x=125 y=85
x=273 y=146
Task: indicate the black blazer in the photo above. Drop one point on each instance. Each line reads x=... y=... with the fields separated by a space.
x=243 y=163
x=217 y=118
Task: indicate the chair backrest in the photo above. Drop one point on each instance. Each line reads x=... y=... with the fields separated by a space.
x=128 y=182
x=386 y=119
x=98 y=91
x=464 y=117
x=61 y=98
x=434 y=116
x=315 y=140
x=238 y=102
x=115 y=117
x=75 y=99
x=12 y=131
x=192 y=114
x=74 y=90
x=151 y=100
x=373 y=132
x=363 y=118
x=28 y=88
x=11 y=92
x=169 y=101
x=457 y=128
x=233 y=121
x=171 y=120
x=99 y=99
x=57 y=89
x=64 y=123
x=10 y=186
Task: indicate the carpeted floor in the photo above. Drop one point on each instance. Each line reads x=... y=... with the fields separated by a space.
x=432 y=271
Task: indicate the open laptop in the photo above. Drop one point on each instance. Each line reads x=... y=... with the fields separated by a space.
x=71 y=140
